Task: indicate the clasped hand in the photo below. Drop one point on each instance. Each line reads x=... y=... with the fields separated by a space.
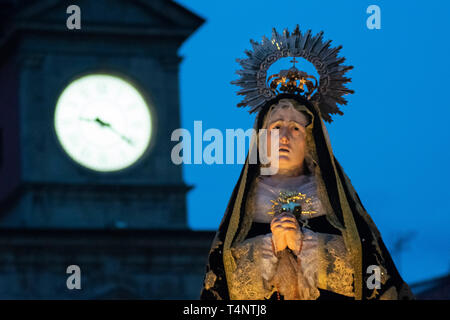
x=286 y=233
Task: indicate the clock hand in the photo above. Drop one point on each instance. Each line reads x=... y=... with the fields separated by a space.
x=99 y=121
x=102 y=123
x=108 y=125
x=124 y=138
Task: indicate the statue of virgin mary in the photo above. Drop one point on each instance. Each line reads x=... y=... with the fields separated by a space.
x=301 y=233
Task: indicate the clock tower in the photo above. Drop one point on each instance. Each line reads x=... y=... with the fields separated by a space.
x=86 y=177
x=87 y=115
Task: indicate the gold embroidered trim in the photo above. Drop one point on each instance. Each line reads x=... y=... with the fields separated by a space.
x=247 y=281
x=350 y=234
x=210 y=279
x=335 y=272
x=322 y=265
x=228 y=260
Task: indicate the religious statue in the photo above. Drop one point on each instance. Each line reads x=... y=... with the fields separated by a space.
x=301 y=233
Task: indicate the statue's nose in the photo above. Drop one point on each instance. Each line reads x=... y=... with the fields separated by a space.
x=284 y=139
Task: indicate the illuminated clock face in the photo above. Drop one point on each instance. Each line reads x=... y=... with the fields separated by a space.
x=103 y=122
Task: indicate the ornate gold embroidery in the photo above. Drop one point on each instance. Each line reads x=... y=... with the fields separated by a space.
x=339 y=276
x=210 y=279
x=246 y=282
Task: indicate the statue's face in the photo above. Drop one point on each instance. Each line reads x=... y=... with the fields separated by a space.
x=292 y=133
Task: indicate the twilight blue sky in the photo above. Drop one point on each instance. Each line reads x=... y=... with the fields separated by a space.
x=393 y=140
